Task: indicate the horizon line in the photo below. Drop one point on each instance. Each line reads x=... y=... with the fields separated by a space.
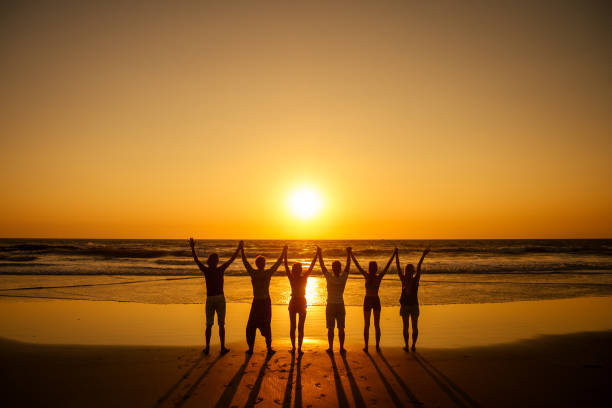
x=316 y=239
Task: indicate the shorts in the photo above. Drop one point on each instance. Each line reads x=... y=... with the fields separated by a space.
x=335 y=312
x=410 y=310
x=297 y=305
x=371 y=303
x=215 y=304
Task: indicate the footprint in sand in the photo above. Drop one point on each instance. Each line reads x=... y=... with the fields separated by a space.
x=318 y=385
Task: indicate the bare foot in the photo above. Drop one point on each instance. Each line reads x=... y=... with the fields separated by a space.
x=365 y=349
x=329 y=351
x=224 y=350
x=342 y=351
x=292 y=351
x=249 y=351
x=271 y=351
x=413 y=347
x=406 y=349
x=300 y=352
x=378 y=349
x=206 y=350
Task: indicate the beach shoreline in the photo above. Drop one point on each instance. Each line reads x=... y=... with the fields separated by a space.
x=441 y=326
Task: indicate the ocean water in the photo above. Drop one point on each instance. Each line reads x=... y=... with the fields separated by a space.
x=163 y=272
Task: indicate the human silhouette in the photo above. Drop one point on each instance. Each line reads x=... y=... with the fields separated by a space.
x=261 y=308
x=215 y=299
x=371 y=302
x=335 y=311
x=298 y=304
x=409 y=301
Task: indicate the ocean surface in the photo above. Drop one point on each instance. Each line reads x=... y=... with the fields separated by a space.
x=163 y=272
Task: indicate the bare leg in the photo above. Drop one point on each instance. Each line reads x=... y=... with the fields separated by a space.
x=377 y=328
x=330 y=339
x=222 y=338
x=208 y=333
x=405 y=321
x=292 y=330
x=366 y=328
x=341 y=337
x=301 y=331
x=415 y=331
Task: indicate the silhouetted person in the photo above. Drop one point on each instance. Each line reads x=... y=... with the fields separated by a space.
x=335 y=311
x=298 y=304
x=409 y=301
x=261 y=308
x=371 y=302
x=215 y=299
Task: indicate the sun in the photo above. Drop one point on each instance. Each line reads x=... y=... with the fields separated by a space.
x=305 y=203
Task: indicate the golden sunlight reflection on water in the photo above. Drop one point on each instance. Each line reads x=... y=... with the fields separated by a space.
x=315 y=292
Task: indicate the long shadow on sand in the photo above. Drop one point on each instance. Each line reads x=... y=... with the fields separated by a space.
x=451 y=389
x=180 y=381
x=342 y=400
x=252 y=400
x=401 y=382
x=298 y=384
x=388 y=387
x=359 y=402
x=230 y=390
x=198 y=381
x=289 y=386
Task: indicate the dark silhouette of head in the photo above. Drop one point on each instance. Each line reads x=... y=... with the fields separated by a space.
x=260 y=262
x=336 y=267
x=372 y=268
x=213 y=260
x=296 y=269
x=409 y=270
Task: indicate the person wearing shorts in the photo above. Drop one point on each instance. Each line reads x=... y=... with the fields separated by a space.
x=409 y=300
x=298 y=304
x=260 y=315
x=371 y=302
x=215 y=299
x=335 y=312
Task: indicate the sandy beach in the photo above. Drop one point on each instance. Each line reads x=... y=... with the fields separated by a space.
x=564 y=370
x=82 y=353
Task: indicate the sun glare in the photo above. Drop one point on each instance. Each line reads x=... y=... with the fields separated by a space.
x=305 y=203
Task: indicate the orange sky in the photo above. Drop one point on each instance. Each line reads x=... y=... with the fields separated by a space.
x=178 y=119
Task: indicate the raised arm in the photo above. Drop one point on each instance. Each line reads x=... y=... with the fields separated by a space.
x=278 y=261
x=418 y=271
x=312 y=264
x=358 y=266
x=246 y=263
x=347 y=268
x=195 y=256
x=229 y=261
x=380 y=275
x=287 y=271
x=321 y=262
x=400 y=273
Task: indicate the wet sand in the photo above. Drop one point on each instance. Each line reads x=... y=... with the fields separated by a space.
x=441 y=326
x=563 y=370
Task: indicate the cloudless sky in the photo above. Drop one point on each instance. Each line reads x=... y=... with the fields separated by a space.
x=436 y=120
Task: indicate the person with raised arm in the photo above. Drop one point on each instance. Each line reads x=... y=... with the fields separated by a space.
x=298 y=304
x=335 y=311
x=371 y=302
x=260 y=316
x=215 y=299
x=409 y=301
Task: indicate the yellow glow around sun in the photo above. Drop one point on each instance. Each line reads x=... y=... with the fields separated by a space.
x=305 y=203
